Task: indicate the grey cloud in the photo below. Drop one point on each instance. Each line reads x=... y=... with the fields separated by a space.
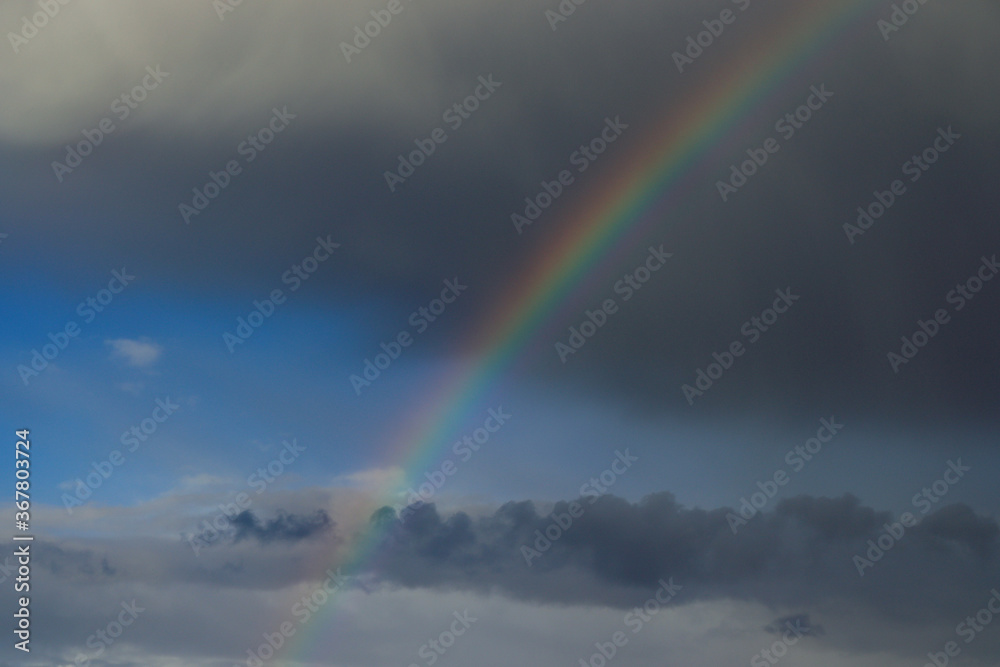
x=324 y=175
x=796 y=556
x=800 y=622
x=800 y=553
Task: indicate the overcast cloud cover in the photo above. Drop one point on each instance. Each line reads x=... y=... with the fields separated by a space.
x=820 y=503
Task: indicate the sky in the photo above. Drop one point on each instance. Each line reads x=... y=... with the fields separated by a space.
x=374 y=333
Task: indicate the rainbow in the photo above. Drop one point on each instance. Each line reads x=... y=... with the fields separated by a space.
x=597 y=230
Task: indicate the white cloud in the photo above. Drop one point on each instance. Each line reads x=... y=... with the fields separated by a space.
x=392 y=626
x=141 y=353
x=376 y=480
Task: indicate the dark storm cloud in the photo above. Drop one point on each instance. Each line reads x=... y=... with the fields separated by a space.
x=801 y=623
x=804 y=552
x=282 y=528
x=324 y=175
x=797 y=560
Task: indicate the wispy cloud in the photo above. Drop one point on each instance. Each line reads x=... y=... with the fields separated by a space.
x=142 y=353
